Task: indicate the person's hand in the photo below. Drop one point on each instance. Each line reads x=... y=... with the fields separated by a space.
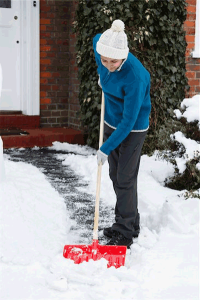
x=101 y=157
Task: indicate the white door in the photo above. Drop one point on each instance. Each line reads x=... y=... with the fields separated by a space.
x=10 y=54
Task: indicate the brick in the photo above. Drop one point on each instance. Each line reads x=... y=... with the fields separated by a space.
x=49 y=28
x=45 y=61
x=189 y=38
x=45 y=74
x=42 y=28
x=45 y=100
x=57 y=74
x=197 y=89
x=52 y=95
x=190 y=30
x=64 y=113
x=190 y=74
x=43 y=121
x=56 y=113
x=45 y=48
x=51 y=81
x=63 y=100
x=195 y=68
x=191 y=17
x=190 y=45
x=51 y=106
x=45 y=113
x=43 y=81
x=43 y=94
x=50 y=68
x=43 y=106
x=45 y=87
x=191 y=2
x=51 y=54
x=43 y=54
x=191 y=9
x=44 y=8
x=43 y=68
x=63 y=120
x=197 y=74
x=45 y=21
x=193 y=82
x=189 y=24
x=45 y=34
x=55 y=87
x=51 y=120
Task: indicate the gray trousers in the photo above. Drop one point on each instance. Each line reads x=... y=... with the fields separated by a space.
x=124 y=164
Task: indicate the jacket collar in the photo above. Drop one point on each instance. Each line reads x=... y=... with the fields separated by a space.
x=122 y=64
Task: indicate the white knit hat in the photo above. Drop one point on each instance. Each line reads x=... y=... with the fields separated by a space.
x=113 y=42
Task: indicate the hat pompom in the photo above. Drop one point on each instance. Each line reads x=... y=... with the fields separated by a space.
x=118 y=26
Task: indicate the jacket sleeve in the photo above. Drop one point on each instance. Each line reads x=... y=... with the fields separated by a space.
x=133 y=99
x=97 y=56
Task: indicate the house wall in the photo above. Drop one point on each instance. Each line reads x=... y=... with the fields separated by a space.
x=58 y=71
x=192 y=64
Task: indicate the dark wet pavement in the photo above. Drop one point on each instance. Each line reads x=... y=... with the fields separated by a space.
x=79 y=205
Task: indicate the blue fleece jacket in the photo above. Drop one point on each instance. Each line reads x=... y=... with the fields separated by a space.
x=127 y=98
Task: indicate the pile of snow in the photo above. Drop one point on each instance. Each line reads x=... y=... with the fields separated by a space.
x=34 y=227
x=192 y=109
x=192 y=147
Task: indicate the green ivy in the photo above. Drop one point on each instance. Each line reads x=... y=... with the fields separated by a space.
x=156 y=37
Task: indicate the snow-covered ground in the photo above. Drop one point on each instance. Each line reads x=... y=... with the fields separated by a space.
x=163 y=262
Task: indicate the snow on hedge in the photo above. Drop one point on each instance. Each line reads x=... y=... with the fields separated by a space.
x=192 y=147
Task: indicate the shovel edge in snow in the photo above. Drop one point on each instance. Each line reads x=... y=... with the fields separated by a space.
x=115 y=255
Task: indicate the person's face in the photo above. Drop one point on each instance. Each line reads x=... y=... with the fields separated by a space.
x=110 y=63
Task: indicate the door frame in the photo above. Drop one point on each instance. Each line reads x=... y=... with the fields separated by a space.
x=196 y=52
x=30 y=57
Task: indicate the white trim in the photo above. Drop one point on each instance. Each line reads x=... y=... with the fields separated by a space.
x=30 y=57
x=143 y=130
x=196 y=52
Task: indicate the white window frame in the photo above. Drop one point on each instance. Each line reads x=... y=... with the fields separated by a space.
x=196 y=52
x=30 y=56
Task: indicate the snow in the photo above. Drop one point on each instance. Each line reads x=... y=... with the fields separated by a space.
x=192 y=148
x=192 y=109
x=34 y=227
x=162 y=263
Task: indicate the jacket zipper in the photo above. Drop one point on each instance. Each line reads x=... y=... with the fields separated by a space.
x=107 y=77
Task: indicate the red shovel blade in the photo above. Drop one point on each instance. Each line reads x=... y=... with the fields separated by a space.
x=115 y=255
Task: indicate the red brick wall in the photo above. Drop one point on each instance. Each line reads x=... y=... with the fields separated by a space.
x=74 y=106
x=192 y=64
x=58 y=70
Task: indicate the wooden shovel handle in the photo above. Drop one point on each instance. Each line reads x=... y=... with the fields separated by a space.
x=96 y=216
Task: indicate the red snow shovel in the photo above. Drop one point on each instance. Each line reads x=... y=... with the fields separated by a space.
x=115 y=255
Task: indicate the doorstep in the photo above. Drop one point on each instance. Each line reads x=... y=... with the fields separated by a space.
x=43 y=137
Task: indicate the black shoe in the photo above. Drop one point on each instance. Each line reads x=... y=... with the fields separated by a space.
x=109 y=232
x=119 y=239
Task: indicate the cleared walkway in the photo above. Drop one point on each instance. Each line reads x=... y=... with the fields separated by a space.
x=79 y=205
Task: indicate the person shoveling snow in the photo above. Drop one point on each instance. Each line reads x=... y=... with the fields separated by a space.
x=126 y=85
